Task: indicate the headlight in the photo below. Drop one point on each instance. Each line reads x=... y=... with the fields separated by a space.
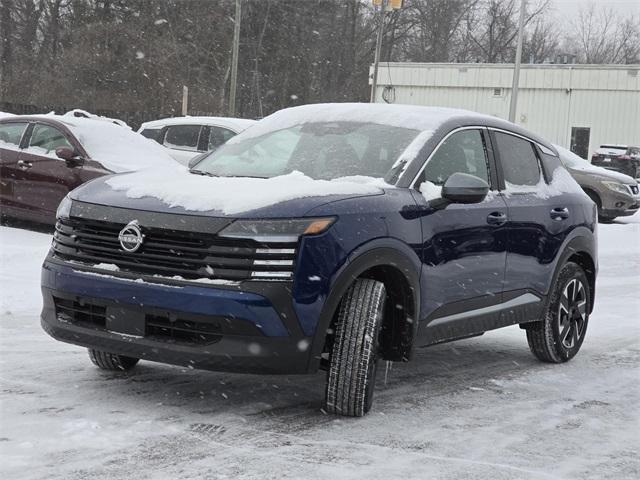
x=617 y=187
x=64 y=209
x=276 y=230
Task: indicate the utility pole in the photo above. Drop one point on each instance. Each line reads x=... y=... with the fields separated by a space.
x=384 y=6
x=234 y=59
x=516 y=71
x=376 y=62
x=185 y=100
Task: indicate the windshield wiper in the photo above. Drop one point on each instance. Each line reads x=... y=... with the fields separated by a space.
x=202 y=172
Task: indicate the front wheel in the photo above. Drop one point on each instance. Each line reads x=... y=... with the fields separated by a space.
x=352 y=370
x=559 y=335
x=111 y=361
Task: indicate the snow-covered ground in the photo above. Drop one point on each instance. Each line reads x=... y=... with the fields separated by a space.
x=474 y=409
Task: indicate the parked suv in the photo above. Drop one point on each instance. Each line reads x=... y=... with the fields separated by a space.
x=620 y=158
x=332 y=237
x=615 y=194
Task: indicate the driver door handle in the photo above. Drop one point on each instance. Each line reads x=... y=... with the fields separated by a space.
x=22 y=165
x=497 y=218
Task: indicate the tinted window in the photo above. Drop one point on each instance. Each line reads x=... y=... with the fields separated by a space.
x=48 y=138
x=218 y=136
x=11 y=133
x=462 y=152
x=152 y=133
x=182 y=136
x=519 y=160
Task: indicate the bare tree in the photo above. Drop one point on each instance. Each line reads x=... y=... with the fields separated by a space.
x=602 y=36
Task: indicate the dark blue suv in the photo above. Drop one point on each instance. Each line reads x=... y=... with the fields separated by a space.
x=328 y=237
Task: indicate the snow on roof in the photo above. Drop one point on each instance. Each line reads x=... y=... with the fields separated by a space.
x=403 y=116
x=177 y=187
x=237 y=124
x=6 y=114
x=114 y=145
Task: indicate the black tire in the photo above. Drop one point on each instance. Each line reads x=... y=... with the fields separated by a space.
x=354 y=357
x=111 y=361
x=558 y=337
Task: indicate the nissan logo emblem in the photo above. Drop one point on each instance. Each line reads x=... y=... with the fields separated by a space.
x=131 y=237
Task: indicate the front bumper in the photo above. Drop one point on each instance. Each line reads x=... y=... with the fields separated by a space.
x=242 y=331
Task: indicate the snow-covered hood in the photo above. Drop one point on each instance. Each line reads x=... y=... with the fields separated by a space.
x=603 y=173
x=175 y=190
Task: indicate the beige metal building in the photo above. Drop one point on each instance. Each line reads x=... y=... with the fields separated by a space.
x=576 y=106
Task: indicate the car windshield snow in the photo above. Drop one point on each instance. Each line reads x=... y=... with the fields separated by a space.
x=323 y=150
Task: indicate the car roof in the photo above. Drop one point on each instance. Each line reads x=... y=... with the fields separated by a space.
x=423 y=118
x=237 y=124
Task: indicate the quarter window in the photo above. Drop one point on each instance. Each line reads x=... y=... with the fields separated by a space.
x=48 y=138
x=519 y=160
x=184 y=137
x=11 y=133
x=462 y=152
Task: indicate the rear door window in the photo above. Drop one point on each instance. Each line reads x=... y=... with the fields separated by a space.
x=11 y=134
x=183 y=137
x=519 y=161
x=45 y=139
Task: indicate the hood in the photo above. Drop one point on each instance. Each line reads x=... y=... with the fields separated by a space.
x=183 y=193
x=603 y=173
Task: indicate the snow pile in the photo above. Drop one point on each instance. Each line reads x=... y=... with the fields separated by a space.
x=177 y=187
x=561 y=182
x=117 y=148
x=430 y=191
x=78 y=113
x=402 y=116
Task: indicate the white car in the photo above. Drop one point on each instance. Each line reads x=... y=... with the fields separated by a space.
x=186 y=137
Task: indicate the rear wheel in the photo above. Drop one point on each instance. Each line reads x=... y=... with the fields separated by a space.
x=352 y=370
x=111 y=361
x=559 y=336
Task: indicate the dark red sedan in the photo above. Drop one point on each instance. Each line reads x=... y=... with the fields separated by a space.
x=44 y=157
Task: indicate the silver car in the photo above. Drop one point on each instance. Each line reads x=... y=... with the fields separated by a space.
x=615 y=194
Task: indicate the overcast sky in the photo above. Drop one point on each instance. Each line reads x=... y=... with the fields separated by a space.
x=624 y=7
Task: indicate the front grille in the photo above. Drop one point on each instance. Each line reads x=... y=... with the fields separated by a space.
x=182 y=330
x=85 y=314
x=174 y=253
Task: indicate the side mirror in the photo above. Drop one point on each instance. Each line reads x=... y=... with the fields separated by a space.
x=69 y=155
x=464 y=188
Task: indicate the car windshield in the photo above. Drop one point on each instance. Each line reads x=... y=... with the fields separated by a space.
x=322 y=150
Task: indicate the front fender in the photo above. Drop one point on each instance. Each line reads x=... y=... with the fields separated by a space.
x=379 y=252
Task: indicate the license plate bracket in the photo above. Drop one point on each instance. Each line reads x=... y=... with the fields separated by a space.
x=124 y=320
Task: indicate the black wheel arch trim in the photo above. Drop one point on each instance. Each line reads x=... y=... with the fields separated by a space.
x=376 y=253
x=580 y=241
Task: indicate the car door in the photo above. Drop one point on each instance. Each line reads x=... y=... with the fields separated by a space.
x=464 y=245
x=42 y=179
x=539 y=221
x=11 y=134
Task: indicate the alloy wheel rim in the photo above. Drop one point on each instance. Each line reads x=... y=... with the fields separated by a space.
x=572 y=313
